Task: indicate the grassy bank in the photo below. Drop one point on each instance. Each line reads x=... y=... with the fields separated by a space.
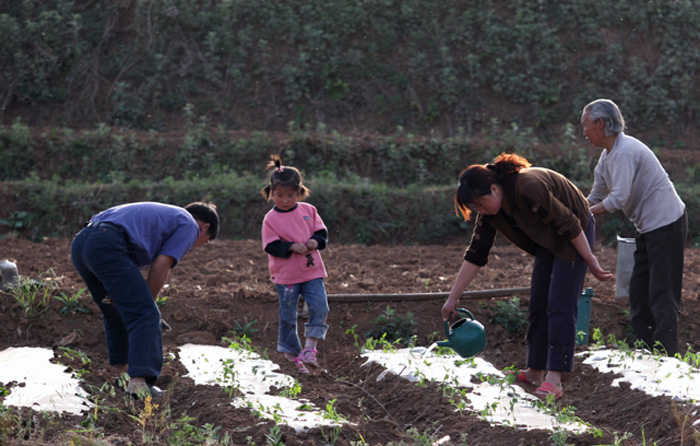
x=382 y=189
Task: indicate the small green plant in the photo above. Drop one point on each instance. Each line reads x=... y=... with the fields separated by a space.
x=456 y=396
x=186 y=433
x=243 y=343
x=96 y=395
x=333 y=434
x=75 y=355
x=383 y=342
x=33 y=296
x=418 y=438
x=246 y=330
x=355 y=336
x=161 y=300
x=292 y=392
x=393 y=327
x=229 y=377
x=509 y=315
x=71 y=304
x=690 y=358
x=14 y=426
x=360 y=442
x=274 y=438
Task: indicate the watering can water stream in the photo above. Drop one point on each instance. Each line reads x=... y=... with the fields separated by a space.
x=466 y=336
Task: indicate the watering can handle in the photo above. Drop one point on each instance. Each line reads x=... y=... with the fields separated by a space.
x=464 y=311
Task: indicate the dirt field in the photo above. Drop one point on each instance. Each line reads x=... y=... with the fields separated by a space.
x=225 y=285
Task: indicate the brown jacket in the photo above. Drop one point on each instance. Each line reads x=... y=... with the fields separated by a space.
x=546 y=209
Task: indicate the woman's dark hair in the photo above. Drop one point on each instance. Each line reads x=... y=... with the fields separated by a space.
x=476 y=180
x=284 y=176
x=205 y=212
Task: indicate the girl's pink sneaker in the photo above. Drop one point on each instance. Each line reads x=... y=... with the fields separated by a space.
x=308 y=356
x=301 y=368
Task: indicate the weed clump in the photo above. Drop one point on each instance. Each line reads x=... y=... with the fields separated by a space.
x=509 y=315
x=393 y=327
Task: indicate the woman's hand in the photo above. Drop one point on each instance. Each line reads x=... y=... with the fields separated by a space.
x=312 y=244
x=448 y=308
x=464 y=278
x=597 y=271
x=580 y=242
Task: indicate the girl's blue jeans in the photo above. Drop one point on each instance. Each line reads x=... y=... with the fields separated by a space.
x=102 y=257
x=314 y=292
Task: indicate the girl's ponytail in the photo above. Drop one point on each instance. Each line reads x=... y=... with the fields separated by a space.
x=283 y=176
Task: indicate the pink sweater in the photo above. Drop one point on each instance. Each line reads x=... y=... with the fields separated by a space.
x=296 y=226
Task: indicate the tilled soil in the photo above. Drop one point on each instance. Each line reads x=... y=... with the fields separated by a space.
x=225 y=285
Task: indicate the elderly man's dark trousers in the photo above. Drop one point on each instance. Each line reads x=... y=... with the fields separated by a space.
x=655 y=285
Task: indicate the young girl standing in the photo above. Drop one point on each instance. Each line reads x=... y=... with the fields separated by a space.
x=292 y=235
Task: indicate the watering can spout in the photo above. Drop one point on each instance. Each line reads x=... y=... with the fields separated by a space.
x=466 y=336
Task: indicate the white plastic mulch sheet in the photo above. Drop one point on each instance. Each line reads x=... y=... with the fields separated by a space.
x=46 y=386
x=654 y=375
x=41 y=385
x=497 y=403
x=252 y=376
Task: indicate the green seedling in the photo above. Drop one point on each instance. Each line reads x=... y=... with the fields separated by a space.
x=228 y=381
x=77 y=355
x=332 y=435
x=355 y=336
x=161 y=300
x=239 y=343
x=33 y=297
x=292 y=392
x=71 y=304
x=274 y=438
x=186 y=433
x=246 y=330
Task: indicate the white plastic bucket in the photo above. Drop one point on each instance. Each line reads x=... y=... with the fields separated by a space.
x=625 y=262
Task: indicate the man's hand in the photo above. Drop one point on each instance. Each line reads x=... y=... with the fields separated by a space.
x=598 y=209
x=158 y=273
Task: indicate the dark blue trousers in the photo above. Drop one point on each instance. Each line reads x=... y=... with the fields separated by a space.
x=555 y=288
x=102 y=257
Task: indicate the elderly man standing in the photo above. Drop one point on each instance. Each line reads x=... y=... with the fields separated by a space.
x=629 y=177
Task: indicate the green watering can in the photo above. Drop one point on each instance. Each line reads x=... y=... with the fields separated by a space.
x=466 y=336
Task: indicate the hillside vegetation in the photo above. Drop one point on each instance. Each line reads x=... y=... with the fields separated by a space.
x=381 y=103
